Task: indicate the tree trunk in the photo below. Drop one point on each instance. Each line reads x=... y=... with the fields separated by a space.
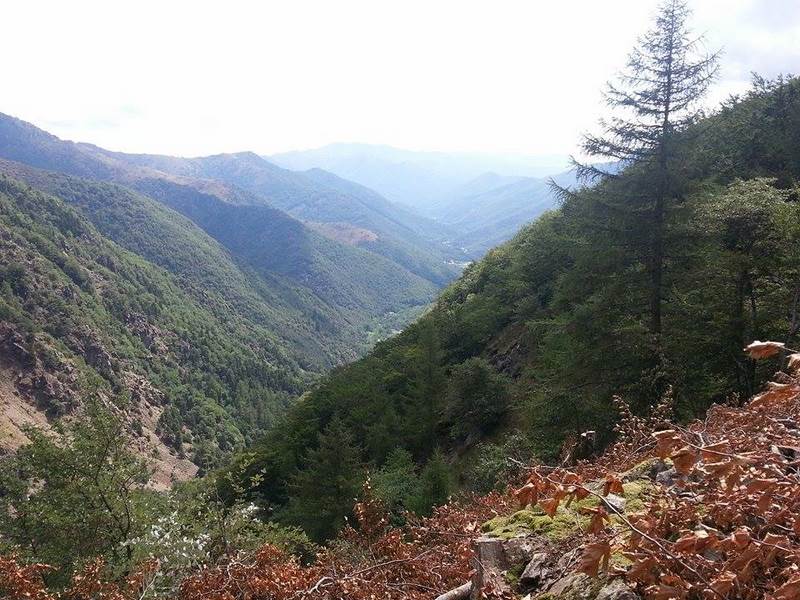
x=657 y=266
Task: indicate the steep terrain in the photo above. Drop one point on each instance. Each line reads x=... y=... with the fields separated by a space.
x=285 y=303
x=317 y=197
x=376 y=289
x=82 y=317
x=542 y=333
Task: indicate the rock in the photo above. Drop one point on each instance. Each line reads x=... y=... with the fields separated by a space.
x=519 y=551
x=538 y=570
x=494 y=558
x=490 y=565
x=577 y=586
x=616 y=589
x=616 y=502
x=647 y=469
x=668 y=478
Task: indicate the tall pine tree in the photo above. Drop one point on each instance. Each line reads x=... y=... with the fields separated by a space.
x=655 y=98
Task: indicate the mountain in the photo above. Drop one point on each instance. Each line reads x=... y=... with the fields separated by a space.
x=325 y=202
x=491 y=209
x=549 y=336
x=265 y=302
x=371 y=288
x=476 y=206
x=82 y=317
x=417 y=179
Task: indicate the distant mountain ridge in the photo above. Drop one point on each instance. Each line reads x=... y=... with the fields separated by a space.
x=317 y=197
x=418 y=179
x=481 y=200
x=186 y=184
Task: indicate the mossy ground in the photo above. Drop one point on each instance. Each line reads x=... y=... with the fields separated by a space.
x=567 y=521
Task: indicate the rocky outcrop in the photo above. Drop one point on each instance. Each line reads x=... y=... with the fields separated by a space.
x=521 y=555
x=40 y=373
x=154 y=338
x=529 y=566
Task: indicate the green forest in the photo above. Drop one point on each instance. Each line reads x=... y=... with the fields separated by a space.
x=528 y=348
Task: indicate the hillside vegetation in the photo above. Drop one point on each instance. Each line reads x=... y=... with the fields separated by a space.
x=544 y=331
x=295 y=302
x=82 y=317
x=378 y=289
x=586 y=412
x=317 y=197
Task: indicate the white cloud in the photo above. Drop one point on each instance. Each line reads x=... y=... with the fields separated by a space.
x=200 y=77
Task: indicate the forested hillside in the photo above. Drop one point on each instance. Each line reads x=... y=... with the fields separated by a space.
x=82 y=318
x=490 y=210
x=245 y=220
x=224 y=380
x=287 y=303
x=319 y=198
x=542 y=333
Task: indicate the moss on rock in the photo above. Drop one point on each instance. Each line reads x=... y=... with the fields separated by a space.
x=567 y=521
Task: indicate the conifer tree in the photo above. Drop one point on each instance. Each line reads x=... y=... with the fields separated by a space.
x=434 y=484
x=324 y=491
x=655 y=98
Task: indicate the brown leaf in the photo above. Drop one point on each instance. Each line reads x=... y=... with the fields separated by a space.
x=741 y=538
x=527 y=494
x=765 y=502
x=712 y=452
x=640 y=570
x=549 y=506
x=599 y=517
x=775 y=394
x=684 y=459
x=760 y=485
x=723 y=584
x=612 y=485
x=665 y=442
x=789 y=590
x=593 y=556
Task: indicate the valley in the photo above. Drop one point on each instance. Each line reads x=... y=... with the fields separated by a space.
x=311 y=270
x=242 y=360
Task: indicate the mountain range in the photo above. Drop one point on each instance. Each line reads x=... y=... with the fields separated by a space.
x=208 y=263
x=209 y=292
x=480 y=200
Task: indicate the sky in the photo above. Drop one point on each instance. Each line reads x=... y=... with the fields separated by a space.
x=494 y=76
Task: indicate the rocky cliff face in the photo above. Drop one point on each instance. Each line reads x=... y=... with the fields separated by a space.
x=39 y=384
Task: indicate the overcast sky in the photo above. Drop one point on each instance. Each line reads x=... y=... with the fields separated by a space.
x=198 y=77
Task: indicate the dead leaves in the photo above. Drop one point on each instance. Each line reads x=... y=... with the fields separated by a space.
x=666 y=442
x=549 y=506
x=789 y=590
x=723 y=585
x=730 y=527
x=612 y=485
x=594 y=557
x=684 y=459
x=598 y=520
x=775 y=395
x=527 y=494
